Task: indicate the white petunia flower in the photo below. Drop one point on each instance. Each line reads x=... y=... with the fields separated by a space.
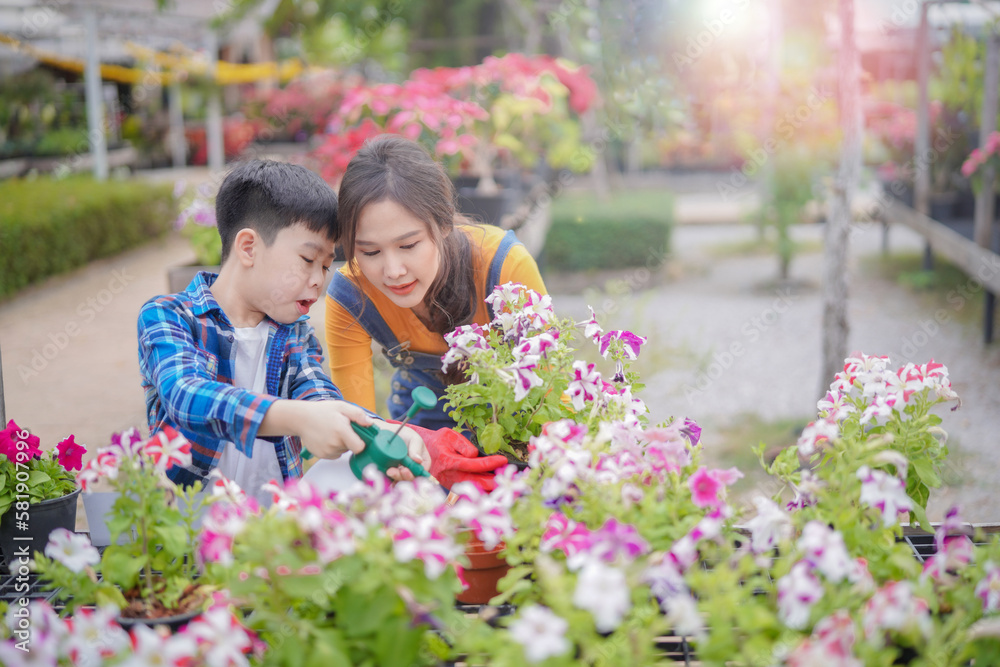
x=72 y=550
x=541 y=633
x=603 y=591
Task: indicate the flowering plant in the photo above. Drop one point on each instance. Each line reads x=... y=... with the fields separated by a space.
x=505 y=111
x=523 y=372
x=601 y=519
x=825 y=569
x=297 y=109
x=151 y=575
x=364 y=576
x=26 y=475
x=628 y=535
x=196 y=221
x=94 y=638
x=973 y=166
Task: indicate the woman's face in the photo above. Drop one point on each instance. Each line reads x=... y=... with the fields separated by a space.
x=396 y=253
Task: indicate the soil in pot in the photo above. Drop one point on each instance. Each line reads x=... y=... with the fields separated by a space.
x=519 y=459
x=145 y=611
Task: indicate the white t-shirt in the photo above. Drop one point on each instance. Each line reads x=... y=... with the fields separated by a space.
x=251 y=373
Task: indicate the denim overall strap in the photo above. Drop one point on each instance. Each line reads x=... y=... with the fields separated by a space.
x=413 y=369
x=508 y=241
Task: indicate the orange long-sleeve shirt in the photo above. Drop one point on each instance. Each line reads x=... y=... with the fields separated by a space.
x=350 y=346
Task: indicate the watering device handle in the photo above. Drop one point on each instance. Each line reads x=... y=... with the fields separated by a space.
x=387 y=450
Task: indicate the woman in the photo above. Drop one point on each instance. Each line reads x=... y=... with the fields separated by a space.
x=416 y=270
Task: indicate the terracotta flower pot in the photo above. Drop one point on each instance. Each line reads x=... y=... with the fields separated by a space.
x=486 y=568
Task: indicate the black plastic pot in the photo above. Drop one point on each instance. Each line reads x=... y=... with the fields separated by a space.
x=21 y=536
x=489 y=209
x=173 y=623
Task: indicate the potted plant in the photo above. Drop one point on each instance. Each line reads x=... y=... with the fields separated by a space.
x=622 y=532
x=523 y=372
x=196 y=222
x=153 y=577
x=38 y=492
x=298 y=109
x=364 y=576
x=600 y=519
x=507 y=114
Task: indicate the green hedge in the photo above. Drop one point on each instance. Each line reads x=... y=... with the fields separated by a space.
x=631 y=228
x=51 y=226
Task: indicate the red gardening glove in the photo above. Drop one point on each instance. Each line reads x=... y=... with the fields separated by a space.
x=454 y=459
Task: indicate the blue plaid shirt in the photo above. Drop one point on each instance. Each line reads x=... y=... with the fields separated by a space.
x=187 y=359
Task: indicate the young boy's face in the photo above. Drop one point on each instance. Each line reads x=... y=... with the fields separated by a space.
x=289 y=276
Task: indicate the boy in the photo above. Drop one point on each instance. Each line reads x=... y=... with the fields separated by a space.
x=232 y=362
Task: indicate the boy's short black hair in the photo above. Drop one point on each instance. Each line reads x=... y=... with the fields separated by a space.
x=268 y=196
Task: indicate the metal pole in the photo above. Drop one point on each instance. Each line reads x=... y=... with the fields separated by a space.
x=95 y=105
x=3 y=409
x=213 y=120
x=922 y=140
x=178 y=147
x=982 y=231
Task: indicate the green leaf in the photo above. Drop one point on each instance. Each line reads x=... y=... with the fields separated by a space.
x=305 y=586
x=921 y=514
x=367 y=613
x=173 y=538
x=328 y=650
x=37 y=477
x=491 y=438
x=925 y=470
x=120 y=567
x=397 y=644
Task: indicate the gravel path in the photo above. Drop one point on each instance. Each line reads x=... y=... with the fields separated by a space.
x=726 y=341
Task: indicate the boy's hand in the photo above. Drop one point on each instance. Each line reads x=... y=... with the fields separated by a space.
x=323 y=426
x=415 y=447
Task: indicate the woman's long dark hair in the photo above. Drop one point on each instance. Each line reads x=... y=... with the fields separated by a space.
x=390 y=167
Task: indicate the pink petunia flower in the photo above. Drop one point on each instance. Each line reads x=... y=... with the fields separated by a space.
x=616 y=541
x=168 y=448
x=568 y=536
x=221 y=637
x=824 y=548
x=705 y=489
x=884 y=492
x=630 y=343
x=94 y=635
x=18 y=445
x=708 y=486
x=798 y=591
x=150 y=647
x=420 y=537
x=591 y=328
x=769 y=527
x=831 y=644
x=895 y=607
x=988 y=588
x=70 y=454
x=816 y=435
x=585 y=385
x=524 y=377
